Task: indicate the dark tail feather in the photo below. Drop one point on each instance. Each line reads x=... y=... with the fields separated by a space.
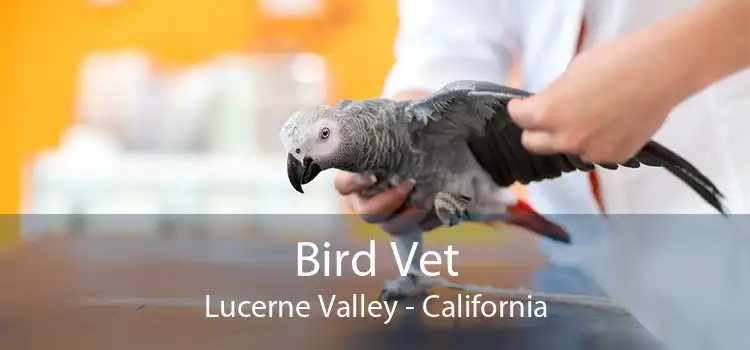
x=655 y=154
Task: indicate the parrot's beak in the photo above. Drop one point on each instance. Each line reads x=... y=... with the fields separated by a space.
x=301 y=173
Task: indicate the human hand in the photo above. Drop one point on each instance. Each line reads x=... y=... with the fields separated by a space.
x=383 y=208
x=605 y=107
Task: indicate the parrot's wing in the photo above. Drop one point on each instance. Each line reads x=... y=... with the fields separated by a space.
x=476 y=112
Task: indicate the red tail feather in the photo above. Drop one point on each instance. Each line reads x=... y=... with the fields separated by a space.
x=523 y=215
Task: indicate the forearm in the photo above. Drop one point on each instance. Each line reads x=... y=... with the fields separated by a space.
x=701 y=46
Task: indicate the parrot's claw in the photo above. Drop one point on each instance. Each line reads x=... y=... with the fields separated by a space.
x=402 y=288
x=451 y=208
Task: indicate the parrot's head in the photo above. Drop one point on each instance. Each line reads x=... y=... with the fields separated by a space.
x=316 y=139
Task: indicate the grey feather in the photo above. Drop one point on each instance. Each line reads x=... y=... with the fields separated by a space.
x=459 y=145
x=476 y=112
x=344 y=103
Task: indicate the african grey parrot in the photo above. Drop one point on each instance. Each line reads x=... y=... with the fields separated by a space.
x=459 y=145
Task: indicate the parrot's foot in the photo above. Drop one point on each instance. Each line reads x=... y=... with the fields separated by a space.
x=451 y=208
x=402 y=288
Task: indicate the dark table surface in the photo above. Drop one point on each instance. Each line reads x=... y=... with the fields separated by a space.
x=148 y=292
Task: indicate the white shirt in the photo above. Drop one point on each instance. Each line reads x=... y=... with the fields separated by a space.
x=690 y=288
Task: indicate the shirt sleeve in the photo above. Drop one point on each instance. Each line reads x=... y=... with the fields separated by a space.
x=439 y=41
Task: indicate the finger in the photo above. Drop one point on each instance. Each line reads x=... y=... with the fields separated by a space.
x=596 y=155
x=614 y=155
x=539 y=142
x=347 y=183
x=524 y=112
x=593 y=158
x=372 y=209
x=401 y=223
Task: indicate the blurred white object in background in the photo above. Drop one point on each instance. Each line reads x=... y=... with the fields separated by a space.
x=117 y=91
x=234 y=104
x=86 y=143
x=309 y=72
x=130 y=183
x=236 y=116
x=201 y=141
x=189 y=103
x=91 y=152
x=291 y=8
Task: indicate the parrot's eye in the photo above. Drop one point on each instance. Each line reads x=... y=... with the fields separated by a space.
x=325 y=133
x=297 y=150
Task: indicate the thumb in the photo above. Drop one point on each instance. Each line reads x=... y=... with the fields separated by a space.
x=538 y=142
x=522 y=111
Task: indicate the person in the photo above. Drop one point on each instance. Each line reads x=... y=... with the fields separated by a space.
x=610 y=74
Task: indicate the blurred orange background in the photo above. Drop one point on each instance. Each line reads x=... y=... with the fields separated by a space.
x=44 y=43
